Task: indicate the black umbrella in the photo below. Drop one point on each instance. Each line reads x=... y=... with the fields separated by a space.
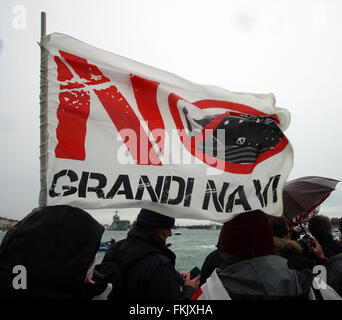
x=301 y=196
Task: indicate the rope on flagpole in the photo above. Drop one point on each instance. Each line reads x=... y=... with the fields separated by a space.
x=43 y=113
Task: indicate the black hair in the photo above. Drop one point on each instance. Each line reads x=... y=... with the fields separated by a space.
x=320 y=226
x=279 y=226
x=150 y=229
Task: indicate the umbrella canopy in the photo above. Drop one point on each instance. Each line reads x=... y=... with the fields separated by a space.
x=303 y=195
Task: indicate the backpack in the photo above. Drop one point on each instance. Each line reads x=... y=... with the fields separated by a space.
x=112 y=270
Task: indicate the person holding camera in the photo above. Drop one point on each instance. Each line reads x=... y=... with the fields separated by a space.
x=143 y=266
x=300 y=254
x=251 y=269
x=320 y=227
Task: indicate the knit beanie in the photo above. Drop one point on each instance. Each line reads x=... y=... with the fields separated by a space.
x=156 y=219
x=248 y=234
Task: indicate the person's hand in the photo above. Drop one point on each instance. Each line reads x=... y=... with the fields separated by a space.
x=195 y=283
x=317 y=249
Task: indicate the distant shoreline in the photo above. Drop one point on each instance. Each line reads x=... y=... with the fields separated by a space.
x=201 y=226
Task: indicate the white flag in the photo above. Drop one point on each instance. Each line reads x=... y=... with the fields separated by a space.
x=123 y=134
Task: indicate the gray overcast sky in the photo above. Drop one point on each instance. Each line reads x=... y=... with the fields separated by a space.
x=291 y=48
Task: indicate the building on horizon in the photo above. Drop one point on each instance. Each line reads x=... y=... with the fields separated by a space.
x=6 y=224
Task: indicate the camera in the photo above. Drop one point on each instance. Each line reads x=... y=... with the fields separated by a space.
x=307 y=244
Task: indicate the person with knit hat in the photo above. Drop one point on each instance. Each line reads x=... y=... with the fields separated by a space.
x=250 y=268
x=146 y=264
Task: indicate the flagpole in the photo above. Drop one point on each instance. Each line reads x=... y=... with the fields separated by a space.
x=43 y=113
x=42 y=24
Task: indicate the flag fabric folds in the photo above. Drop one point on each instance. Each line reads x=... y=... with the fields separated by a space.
x=123 y=134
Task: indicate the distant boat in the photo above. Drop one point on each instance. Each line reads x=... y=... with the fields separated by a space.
x=177 y=234
x=105 y=245
x=118 y=224
x=212 y=226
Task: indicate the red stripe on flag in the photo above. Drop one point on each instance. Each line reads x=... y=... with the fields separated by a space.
x=123 y=118
x=84 y=69
x=72 y=113
x=145 y=92
x=63 y=73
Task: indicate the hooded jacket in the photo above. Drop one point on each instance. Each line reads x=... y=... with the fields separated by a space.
x=262 y=278
x=56 y=245
x=293 y=252
x=152 y=276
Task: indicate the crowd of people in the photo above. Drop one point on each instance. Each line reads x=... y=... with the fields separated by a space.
x=257 y=258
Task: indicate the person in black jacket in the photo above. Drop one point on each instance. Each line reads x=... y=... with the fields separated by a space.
x=145 y=264
x=54 y=248
x=320 y=227
x=211 y=262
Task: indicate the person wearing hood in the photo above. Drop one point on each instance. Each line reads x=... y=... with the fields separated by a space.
x=251 y=270
x=142 y=267
x=56 y=246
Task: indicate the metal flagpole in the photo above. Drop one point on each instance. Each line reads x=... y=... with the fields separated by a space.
x=43 y=113
x=42 y=24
